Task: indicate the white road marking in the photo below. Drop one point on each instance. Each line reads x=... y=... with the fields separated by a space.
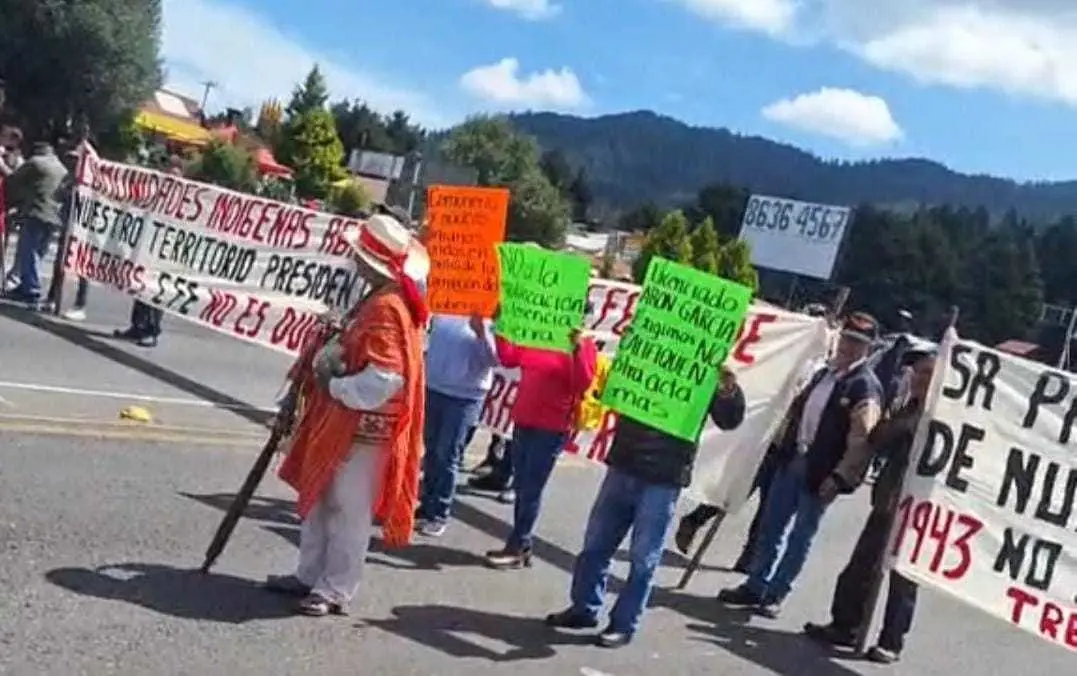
x=177 y=401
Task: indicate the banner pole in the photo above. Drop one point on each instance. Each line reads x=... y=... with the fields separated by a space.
x=697 y=558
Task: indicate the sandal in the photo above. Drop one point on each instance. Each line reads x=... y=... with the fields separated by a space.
x=316 y=605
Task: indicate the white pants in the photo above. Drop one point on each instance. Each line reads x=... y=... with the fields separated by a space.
x=335 y=536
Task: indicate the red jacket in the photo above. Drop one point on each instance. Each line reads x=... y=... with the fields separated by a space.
x=552 y=384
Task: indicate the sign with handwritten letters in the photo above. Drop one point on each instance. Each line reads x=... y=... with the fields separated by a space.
x=246 y=266
x=667 y=367
x=465 y=226
x=987 y=510
x=794 y=236
x=773 y=353
x=543 y=296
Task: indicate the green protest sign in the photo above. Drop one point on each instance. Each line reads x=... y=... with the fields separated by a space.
x=669 y=360
x=543 y=296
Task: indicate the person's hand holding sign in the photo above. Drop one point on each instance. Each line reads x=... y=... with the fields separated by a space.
x=478 y=325
x=727 y=383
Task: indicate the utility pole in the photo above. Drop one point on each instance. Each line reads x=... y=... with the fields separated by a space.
x=209 y=85
x=1064 y=358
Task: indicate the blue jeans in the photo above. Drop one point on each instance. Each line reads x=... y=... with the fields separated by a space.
x=34 y=236
x=447 y=422
x=774 y=567
x=534 y=455
x=623 y=502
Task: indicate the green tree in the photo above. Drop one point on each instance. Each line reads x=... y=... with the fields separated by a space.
x=641 y=219
x=670 y=240
x=83 y=62
x=706 y=250
x=735 y=264
x=226 y=165
x=350 y=199
x=312 y=94
x=311 y=147
x=501 y=157
x=120 y=139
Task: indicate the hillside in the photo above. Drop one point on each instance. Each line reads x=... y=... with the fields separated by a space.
x=631 y=158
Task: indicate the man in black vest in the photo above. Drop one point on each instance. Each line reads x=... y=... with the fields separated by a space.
x=823 y=451
x=892 y=440
x=647 y=469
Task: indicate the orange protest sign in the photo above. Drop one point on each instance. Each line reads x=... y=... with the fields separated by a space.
x=464 y=226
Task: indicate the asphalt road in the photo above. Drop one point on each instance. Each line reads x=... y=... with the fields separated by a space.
x=102 y=524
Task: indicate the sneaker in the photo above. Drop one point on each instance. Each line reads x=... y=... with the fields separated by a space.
x=612 y=638
x=507 y=559
x=316 y=605
x=769 y=608
x=75 y=314
x=430 y=529
x=506 y=497
x=130 y=333
x=883 y=656
x=830 y=634
x=146 y=341
x=739 y=597
x=571 y=619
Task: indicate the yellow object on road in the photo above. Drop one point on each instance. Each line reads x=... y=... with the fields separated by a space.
x=136 y=414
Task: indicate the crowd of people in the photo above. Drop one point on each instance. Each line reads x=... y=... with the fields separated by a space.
x=389 y=397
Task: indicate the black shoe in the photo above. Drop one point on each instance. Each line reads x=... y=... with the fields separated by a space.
x=508 y=559
x=686 y=533
x=146 y=341
x=571 y=619
x=488 y=482
x=881 y=655
x=612 y=638
x=830 y=634
x=769 y=608
x=739 y=597
x=130 y=333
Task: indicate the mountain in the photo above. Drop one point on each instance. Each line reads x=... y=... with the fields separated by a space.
x=631 y=158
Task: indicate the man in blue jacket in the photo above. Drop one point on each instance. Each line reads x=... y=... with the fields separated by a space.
x=823 y=451
x=647 y=469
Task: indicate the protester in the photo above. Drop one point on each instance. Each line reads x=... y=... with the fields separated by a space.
x=892 y=439
x=550 y=389
x=32 y=191
x=144 y=327
x=356 y=451
x=460 y=357
x=647 y=469
x=823 y=451
x=10 y=159
x=77 y=312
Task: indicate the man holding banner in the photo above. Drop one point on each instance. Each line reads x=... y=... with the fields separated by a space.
x=357 y=448
x=824 y=451
x=647 y=469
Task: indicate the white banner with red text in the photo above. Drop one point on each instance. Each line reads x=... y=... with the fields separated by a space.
x=771 y=354
x=987 y=509
x=246 y=266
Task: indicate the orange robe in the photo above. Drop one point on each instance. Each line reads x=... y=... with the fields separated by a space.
x=383 y=334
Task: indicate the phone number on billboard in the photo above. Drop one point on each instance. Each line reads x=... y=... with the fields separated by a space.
x=811 y=221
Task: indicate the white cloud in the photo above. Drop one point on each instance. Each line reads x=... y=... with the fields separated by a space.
x=858 y=119
x=532 y=10
x=1019 y=47
x=502 y=84
x=769 y=16
x=253 y=60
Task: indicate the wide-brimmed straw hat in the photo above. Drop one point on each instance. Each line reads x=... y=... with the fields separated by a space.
x=386 y=245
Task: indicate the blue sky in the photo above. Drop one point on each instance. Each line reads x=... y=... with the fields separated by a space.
x=985 y=86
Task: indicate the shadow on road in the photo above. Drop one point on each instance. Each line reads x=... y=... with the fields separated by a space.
x=784 y=653
x=99 y=344
x=186 y=594
x=278 y=516
x=448 y=629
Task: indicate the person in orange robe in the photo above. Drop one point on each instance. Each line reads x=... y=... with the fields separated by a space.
x=356 y=450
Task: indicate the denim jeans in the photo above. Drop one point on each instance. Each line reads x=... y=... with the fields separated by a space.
x=534 y=455
x=623 y=503
x=446 y=424
x=854 y=584
x=791 y=517
x=33 y=244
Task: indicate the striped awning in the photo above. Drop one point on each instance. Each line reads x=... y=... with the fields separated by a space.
x=174 y=128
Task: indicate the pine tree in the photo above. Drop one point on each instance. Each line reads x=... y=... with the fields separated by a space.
x=735 y=264
x=669 y=240
x=706 y=250
x=313 y=94
x=311 y=147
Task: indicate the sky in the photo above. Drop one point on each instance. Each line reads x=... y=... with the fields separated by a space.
x=984 y=86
